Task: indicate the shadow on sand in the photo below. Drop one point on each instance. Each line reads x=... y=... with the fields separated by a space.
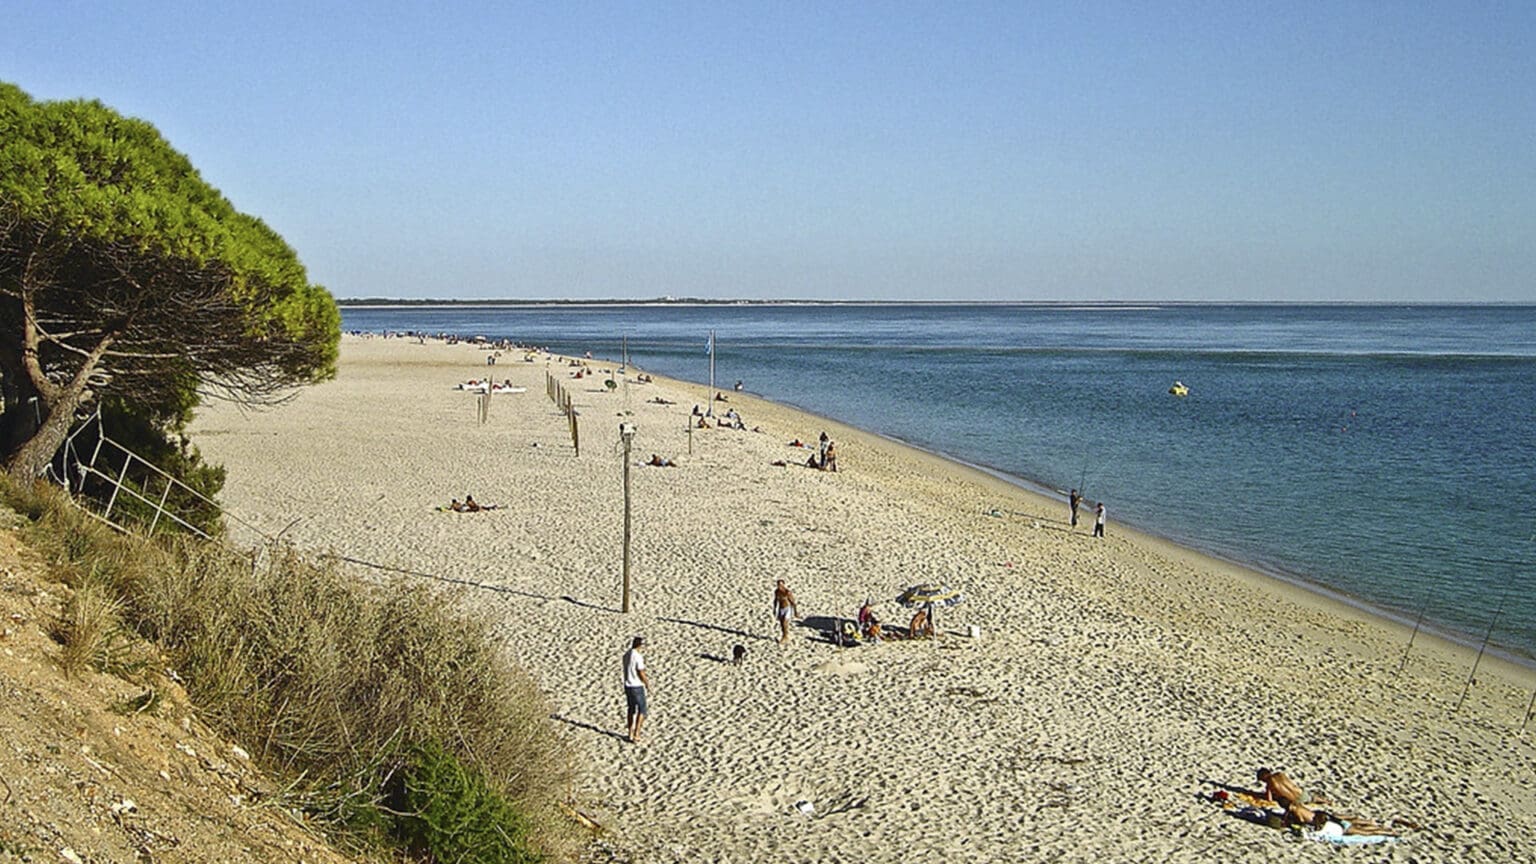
x=717 y=628
x=572 y=600
x=590 y=728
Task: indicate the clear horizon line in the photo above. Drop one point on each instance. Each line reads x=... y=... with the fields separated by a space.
x=790 y=301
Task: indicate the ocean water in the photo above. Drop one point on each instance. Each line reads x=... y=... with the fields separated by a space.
x=1382 y=452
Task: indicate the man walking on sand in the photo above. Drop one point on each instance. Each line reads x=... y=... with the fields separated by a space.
x=1074 y=500
x=1098 y=521
x=636 y=683
x=783 y=608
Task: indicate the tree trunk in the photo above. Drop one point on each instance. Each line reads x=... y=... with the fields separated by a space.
x=32 y=458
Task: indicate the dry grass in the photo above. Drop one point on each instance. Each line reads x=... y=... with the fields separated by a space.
x=325 y=677
x=89 y=631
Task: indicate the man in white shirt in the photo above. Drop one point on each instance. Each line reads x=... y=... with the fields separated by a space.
x=635 y=684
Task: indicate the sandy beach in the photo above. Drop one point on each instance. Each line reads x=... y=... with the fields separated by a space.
x=1111 y=681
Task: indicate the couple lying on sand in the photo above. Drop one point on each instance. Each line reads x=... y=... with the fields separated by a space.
x=470 y=505
x=1301 y=810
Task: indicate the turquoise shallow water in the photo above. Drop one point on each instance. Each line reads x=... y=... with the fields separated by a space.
x=1383 y=452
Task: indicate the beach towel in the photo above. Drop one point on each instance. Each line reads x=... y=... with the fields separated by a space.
x=1348 y=839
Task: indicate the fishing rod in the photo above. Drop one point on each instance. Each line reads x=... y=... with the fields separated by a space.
x=1530 y=706
x=1416 y=625
x=1472 y=676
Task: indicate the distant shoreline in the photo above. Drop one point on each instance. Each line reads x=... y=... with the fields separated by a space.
x=465 y=303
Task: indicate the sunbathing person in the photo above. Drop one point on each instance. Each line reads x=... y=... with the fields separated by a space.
x=455 y=506
x=470 y=506
x=1331 y=825
x=659 y=462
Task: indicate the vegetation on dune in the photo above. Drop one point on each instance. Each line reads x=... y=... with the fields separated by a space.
x=391 y=715
x=125 y=276
x=130 y=285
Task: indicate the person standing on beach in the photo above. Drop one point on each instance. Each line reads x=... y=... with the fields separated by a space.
x=1073 y=500
x=821 y=453
x=636 y=682
x=783 y=608
x=1098 y=521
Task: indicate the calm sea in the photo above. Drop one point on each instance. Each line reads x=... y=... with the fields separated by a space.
x=1384 y=452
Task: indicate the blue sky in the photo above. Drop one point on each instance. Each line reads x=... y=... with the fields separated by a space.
x=1015 y=151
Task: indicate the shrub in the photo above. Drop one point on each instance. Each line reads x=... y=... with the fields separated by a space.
x=446 y=811
x=351 y=687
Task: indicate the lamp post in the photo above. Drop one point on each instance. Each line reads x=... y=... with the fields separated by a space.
x=627 y=436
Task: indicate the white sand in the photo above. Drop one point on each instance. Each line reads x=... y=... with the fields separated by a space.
x=1112 y=678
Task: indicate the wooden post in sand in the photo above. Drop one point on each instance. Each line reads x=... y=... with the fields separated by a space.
x=626 y=435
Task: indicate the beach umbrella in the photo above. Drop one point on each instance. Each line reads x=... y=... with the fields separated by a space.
x=936 y=593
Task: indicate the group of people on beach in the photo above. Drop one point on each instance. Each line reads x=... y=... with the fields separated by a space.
x=1300 y=810
x=731 y=419
x=825 y=457
x=785 y=611
x=469 y=505
x=1075 y=500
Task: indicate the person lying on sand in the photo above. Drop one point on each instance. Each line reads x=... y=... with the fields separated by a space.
x=797 y=443
x=660 y=401
x=658 y=462
x=470 y=505
x=1330 y=825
